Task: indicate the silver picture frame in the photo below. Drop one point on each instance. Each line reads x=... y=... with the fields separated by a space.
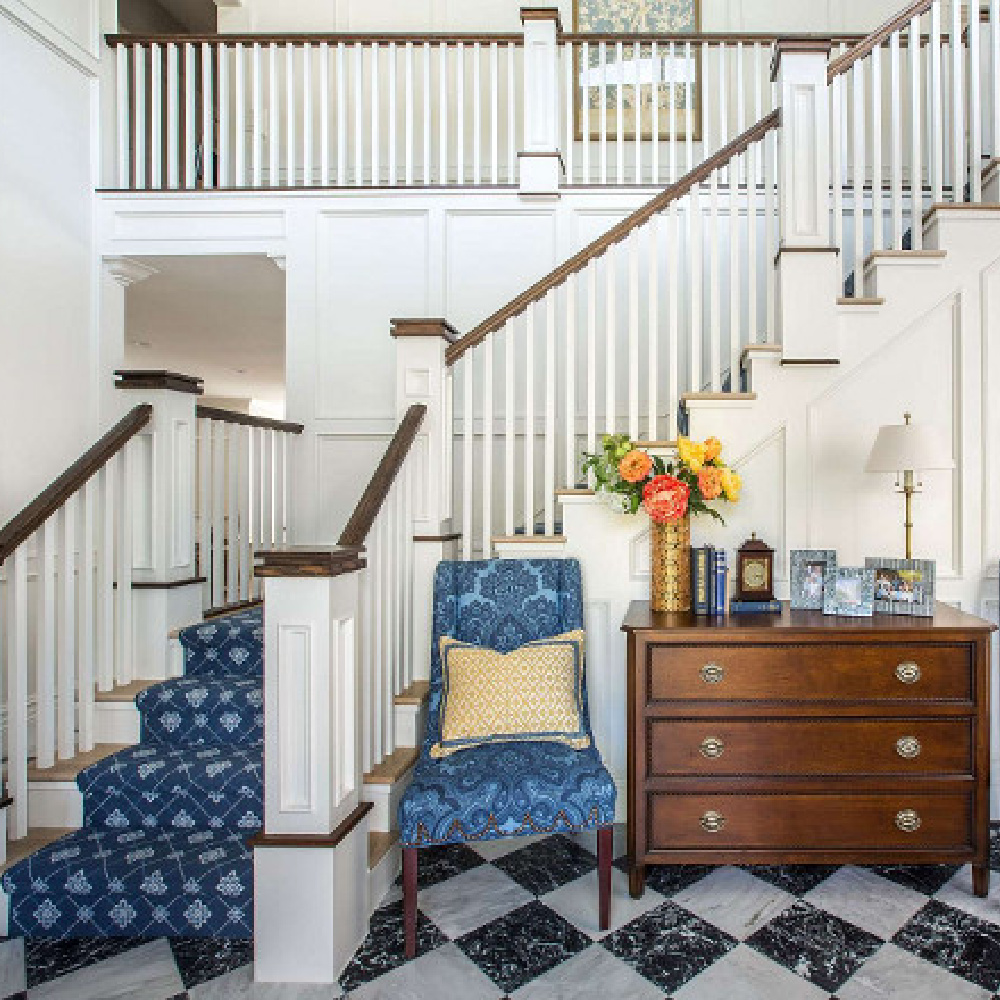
x=852 y=594
x=811 y=573
x=904 y=586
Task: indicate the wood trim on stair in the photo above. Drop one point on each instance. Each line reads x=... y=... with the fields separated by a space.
x=361 y=520
x=307 y=560
x=416 y=694
x=24 y=524
x=429 y=327
x=390 y=770
x=67 y=770
x=124 y=693
x=876 y=255
x=166 y=584
x=695 y=397
x=227 y=40
x=848 y=300
x=234 y=417
x=452 y=536
x=613 y=236
x=874 y=39
x=331 y=839
x=231 y=609
x=158 y=379
x=528 y=539
x=379 y=845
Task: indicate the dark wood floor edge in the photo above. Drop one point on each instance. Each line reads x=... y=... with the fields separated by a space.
x=166 y=584
x=312 y=839
x=231 y=609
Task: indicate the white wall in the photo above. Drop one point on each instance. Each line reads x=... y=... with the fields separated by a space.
x=48 y=407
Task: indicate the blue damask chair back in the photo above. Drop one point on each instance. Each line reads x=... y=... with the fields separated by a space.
x=502 y=604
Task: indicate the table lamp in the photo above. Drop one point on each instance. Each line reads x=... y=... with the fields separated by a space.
x=908 y=448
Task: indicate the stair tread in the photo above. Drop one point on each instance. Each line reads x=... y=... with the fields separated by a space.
x=861 y=300
x=416 y=694
x=379 y=845
x=37 y=838
x=685 y=397
x=125 y=692
x=67 y=770
x=527 y=539
x=393 y=767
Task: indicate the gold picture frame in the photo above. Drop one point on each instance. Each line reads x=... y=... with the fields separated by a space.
x=678 y=81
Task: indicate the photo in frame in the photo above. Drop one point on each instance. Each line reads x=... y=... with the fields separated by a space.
x=612 y=74
x=812 y=573
x=904 y=586
x=852 y=593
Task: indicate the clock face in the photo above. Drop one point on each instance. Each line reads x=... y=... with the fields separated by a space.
x=754 y=574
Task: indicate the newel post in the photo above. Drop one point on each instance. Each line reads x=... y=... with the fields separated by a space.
x=807 y=264
x=311 y=859
x=166 y=585
x=424 y=376
x=540 y=163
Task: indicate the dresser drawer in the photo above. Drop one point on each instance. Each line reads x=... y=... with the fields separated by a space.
x=809 y=747
x=835 y=821
x=811 y=672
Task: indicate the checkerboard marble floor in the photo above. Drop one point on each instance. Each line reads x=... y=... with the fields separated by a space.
x=518 y=919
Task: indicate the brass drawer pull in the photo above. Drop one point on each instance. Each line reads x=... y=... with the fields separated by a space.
x=908 y=747
x=712 y=747
x=712 y=673
x=908 y=820
x=908 y=672
x=712 y=822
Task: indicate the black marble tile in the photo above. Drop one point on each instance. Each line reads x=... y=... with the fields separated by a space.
x=384 y=948
x=818 y=946
x=796 y=879
x=956 y=941
x=45 y=959
x=521 y=945
x=547 y=864
x=927 y=879
x=19 y=996
x=995 y=850
x=435 y=864
x=669 y=945
x=201 y=959
x=668 y=880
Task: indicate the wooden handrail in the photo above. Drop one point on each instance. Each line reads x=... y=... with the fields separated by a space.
x=614 y=235
x=699 y=37
x=872 y=41
x=21 y=527
x=317 y=38
x=356 y=530
x=234 y=417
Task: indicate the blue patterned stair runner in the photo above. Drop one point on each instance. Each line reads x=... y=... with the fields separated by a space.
x=162 y=851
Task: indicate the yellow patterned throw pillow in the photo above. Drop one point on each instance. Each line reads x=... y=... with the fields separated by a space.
x=534 y=692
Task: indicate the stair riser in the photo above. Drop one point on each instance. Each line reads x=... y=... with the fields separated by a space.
x=411 y=721
x=383 y=876
x=55 y=804
x=991 y=186
x=385 y=799
x=116 y=722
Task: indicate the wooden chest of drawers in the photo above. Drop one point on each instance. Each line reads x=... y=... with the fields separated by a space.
x=808 y=739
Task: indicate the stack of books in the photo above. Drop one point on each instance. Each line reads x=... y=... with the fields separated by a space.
x=709 y=580
x=754 y=607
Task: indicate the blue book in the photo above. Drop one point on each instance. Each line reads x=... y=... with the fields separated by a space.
x=719 y=583
x=755 y=607
x=699 y=581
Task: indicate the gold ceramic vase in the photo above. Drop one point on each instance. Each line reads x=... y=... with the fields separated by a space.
x=670 y=587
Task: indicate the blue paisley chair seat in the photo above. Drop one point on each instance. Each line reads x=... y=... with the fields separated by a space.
x=503 y=790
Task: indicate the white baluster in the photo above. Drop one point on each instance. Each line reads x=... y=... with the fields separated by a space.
x=674 y=137
x=106 y=580
x=838 y=112
x=408 y=574
x=140 y=127
x=735 y=277
x=592 y=358
x=243 y=443
x=602 y=51
x=122 y=105
x=637 y=105
x=324 y=114
x=878 y=218
x=697 y=250
x=509 y=427
x=393 y=124
x=569 y=375
x=88 y=614
x=494 y=113
x=529 y=420
x=995 y=75
x=468 y=393
x=427 y=113
x=257 y=495
x=377 y=570
x=753 y=309
x=189 y=77
x=124 y=671
x=208 y=113
x=723 y=133
x=477 y=114
x=583 y=69
x=267 y=486
x=388 y=708
x=975 y=109
x=653 y=321
x=66 y=614
x=858 y=175
x=895 y=144
x=307 y=116
x=240 y=124
x=459 y=113
x=958 y=97
x=274 y=118
x=550 y=413
x=620 y=113
x=408 y=86
x=610 y=337
x=741 y=117
x=291 y=162
x=692 y=92
x=257 y=79
x=714 y=286
x=205 y=428
x=567 y=109
x=341 y=64
x=218 y=546
x=376 y=112
x=233 y=435
x=935 y=60
x=654 y=105
x=486 y=486
x=173 y=116
x=225 y=125
x=916 y=139
x=443 y=114
x=512 y=105
x=633 y=335
x=156 y=115
x=17 y=690
x=281 y=440
x=358 y=58
x=45 y=652
x=673 y=328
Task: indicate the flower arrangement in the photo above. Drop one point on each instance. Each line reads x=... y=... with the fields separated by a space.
x=667 y=490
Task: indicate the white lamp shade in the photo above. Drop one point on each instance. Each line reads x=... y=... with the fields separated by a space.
x=902 y=447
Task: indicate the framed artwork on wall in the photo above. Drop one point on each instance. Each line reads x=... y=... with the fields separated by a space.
x=672 y=75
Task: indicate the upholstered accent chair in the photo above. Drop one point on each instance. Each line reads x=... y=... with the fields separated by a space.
x=513 y=789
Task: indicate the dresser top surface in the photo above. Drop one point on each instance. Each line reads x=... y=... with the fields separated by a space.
x=946 y=619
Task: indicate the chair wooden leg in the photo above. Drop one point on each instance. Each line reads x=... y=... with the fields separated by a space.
x=605 y=850
x=410 y=900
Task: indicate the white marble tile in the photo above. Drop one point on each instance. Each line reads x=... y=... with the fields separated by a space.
x=958 y=893
x=745 y=974
x=735 y=900
x=239 y=985
x=145 y=973
x=467 y=901
x=594 y=974
x=892 y=972
x=866 y=900
x=12 y=977
x=577 y=901
x=493 y=849
x=444 y=972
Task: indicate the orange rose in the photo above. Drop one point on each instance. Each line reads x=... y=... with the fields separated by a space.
x=665 y=499
x=635 y=466
x=713 y=449
x=710 y=482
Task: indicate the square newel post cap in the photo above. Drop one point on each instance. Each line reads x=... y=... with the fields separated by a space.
x=786 y=46
x=307 y=561
x=542 y=14
x=432 y=327
x=139 y=379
